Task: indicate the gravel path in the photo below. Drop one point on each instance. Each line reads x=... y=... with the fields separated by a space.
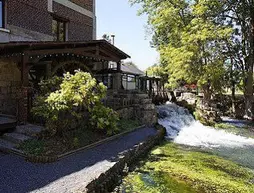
x=68 y=174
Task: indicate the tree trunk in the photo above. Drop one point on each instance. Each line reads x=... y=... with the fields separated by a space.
x=207 y=94
x=233 y=97
x=249 y=79
x=232 y=86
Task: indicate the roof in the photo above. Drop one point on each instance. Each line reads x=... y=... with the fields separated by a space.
x=130 y=68
x=50 y=46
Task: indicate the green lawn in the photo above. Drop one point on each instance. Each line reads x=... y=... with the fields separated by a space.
x=179 y=169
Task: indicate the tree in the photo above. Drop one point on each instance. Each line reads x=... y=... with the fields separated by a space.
x=157 y=70
x=185 y=33
x=191 y=41
x=240 y=14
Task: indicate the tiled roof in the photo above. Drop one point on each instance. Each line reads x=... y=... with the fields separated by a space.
x=130 y=68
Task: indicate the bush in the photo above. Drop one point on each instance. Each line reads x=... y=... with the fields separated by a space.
x=64 y=103
x=104 y=118
x=33 y=147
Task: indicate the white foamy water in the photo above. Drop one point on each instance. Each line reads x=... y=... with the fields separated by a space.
x=182 y=128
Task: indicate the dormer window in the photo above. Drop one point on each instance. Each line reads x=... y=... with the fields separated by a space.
x=59 y=30
x=1 y=13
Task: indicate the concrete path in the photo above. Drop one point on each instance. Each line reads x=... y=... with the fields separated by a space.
x=69 y=174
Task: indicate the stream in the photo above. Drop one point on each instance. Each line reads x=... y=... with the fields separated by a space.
x=183 y=129
x=195 y=158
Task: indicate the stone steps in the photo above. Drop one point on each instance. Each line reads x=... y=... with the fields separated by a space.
x=16 y=137
x=8 y=147
x=5 y=144
x=29 y=130
x=7 y=123
x=9 y=141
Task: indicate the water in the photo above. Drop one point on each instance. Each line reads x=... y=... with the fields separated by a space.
x=183 y=129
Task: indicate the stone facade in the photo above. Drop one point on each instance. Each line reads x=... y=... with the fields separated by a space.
x=133 y=106
x=87 y=4
x=80 y=27
x=10 y=84
x=31 y=20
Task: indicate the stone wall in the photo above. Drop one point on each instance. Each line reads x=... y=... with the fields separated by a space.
x=80 y=27
x=133 y=106
x=107 y=181
x=31 y=15
x=87 y=4
x=31 y=20
x=10 y=84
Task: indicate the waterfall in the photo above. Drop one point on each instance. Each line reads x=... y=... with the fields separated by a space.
x=183 y=129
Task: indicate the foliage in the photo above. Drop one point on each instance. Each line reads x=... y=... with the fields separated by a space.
x=246 y=131
x=174 y=168
x=210 y=43
x=198 y=116
x=33 y=147
x=224 y=126
x=190 y=40
x=127 y=124
x=104 y=118
x=66 y=106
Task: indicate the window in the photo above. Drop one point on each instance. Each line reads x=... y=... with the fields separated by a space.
x=59 y=30
x=106 y=79
x=1 y=13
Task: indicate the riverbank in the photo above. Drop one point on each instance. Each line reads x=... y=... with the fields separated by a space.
x=181 y=169
x=196 y=158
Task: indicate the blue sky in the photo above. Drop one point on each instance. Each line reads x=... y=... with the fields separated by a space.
x=119 y=18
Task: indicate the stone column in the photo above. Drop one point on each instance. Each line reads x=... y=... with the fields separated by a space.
x=117 y=78
x=49 y=70
x=23 y=98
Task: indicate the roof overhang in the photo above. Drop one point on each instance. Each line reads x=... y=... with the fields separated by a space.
x=99 y=49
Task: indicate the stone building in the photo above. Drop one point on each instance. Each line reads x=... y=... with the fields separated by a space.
x=42 y=38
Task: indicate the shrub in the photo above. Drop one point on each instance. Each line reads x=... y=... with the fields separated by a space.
x=33 y=147
x=63 y=103
x=104 y=118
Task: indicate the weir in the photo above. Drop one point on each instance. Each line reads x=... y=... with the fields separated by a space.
x=183 y=129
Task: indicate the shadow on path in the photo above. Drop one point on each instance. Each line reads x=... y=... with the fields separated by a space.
x=17 y=175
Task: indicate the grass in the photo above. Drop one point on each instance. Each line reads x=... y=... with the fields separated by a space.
x=246 y=131
x=72 y=140
x=179 y=169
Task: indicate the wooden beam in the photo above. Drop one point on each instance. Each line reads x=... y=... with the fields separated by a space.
x=57 y=51
x=94 y=56
x=97 y=50
x=118 y=66
x=110 y=54
x=25 y=71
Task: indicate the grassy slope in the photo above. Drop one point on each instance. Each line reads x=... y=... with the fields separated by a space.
x=178 y=169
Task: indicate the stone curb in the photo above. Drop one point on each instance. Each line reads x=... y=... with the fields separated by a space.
x=50 y=159
x=107 y=181
x=98 y=143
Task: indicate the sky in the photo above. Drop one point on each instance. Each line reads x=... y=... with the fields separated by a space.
x=118 y=17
